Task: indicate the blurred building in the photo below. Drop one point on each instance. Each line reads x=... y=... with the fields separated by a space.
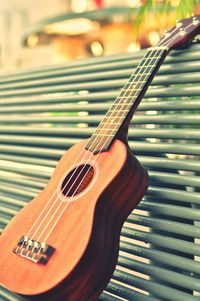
x=35 y=33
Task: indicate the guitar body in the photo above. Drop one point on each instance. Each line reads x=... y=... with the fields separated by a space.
x=86 y=236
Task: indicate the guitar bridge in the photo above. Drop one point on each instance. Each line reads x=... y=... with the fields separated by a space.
x=38 y=252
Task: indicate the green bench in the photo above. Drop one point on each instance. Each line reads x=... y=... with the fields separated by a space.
x=45 y=111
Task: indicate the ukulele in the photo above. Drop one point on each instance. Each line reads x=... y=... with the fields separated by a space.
x=63 y=246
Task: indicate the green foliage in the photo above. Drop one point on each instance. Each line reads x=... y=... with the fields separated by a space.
x=184 y=9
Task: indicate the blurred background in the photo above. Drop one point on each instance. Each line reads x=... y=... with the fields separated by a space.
x=35 y=33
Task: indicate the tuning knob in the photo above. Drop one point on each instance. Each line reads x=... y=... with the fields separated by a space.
x=195 y=20
x=178 y=24
x=167 y=33
x=182 y=31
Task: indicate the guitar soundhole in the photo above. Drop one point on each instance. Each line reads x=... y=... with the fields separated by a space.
x=77 y=180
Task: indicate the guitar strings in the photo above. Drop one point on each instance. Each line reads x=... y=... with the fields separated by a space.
x=64 y=207
x=130 y=90
x=72 y=196
x=127 y=90
x=150 y=58
x=140 y=75
x=105 y=142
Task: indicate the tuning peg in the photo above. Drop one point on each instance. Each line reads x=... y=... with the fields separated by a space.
x=195 y=41
x=182 y=31
x=195 y=20
x=178 y=24
x=167 y=33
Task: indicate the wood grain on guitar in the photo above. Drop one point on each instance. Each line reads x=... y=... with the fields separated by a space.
x=63 y=246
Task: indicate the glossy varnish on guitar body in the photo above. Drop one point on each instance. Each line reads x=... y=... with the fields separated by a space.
x=86 y=238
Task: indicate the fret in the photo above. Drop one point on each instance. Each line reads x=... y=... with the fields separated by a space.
x=158 y=48
x=149 y=58
x=114 y=117
x=133 y=86
x=114 y=110
x=94 y=145
x=144 y=66
x=138 y=76
x=148 y=73
x=122 y=107
x=124 y=102
x=108 y=130
x=111 y=123
x=104 y=135
x=131 y=90
x=112 y=114
x=121 y=104
x=104 y=129
x=125 y=97
x=137 y=82
x=128 y=88
x=147 y=62
x=127 y=100
x=145 y=71
x=147 y=55
x=134 y=81
x=139 y=72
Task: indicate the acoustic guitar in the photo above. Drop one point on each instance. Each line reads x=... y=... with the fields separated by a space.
x=63 y=246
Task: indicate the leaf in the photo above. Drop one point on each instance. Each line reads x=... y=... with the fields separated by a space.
x=183 y=10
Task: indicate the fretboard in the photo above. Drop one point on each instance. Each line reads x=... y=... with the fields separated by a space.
x=127 y=100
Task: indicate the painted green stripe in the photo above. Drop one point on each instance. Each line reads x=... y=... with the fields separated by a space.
x=191 y=73
x=165 y=225
x=164 y=241
x=185 y=119
x=168 y=259
x=170 y=210
x=105 y=63
x=123 y=291
x=156 y=289
x=88 y=131
x=97 y=107
x=170 y=277
x=93 y=97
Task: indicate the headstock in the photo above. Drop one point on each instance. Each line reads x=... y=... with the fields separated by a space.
x=183 y=33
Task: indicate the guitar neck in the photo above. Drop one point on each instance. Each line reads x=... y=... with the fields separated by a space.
x=127 y=101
